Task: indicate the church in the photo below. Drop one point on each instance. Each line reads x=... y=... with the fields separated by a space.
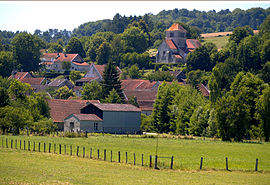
x=176 y=46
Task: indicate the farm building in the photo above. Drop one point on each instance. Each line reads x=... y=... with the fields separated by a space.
x=105 y=117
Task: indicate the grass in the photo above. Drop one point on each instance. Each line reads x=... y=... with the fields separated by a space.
x=23 y=167
x=218 y=41
x=187 y=153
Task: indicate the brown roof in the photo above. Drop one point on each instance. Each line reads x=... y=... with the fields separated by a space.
x=101 y=68
x=87 y=79
x=81 y=64
x=21 y=75
x=171 y=44
x=57 y=82
x=193 y=43
x=87 y=117
x=146 y=105
x=32 y=81
x=132 y=84
x=176 y=27
x=59 y=57
x=178 y=56
x=204 y=90
x=60 y=109
x=142 y=94
x=116 y=107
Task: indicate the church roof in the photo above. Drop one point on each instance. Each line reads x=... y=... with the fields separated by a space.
x=193 y=43
x=176 y=27
x=171 y=44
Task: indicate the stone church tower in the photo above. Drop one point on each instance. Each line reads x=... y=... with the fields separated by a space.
x=177 y=34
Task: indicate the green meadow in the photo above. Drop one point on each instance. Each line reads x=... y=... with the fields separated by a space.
x=187 y=153
x=218 y=41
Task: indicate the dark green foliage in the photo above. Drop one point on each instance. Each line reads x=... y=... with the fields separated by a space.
x=55 y=48
x=133 y=101
x=196 y=77
x=7 y=63
x=66 y=66
x=111 y=81
x=133 y=72
x=103 y=53
x=4 y=98
x=75 y=75
x=142 y=60
x=161 y=76
x=92 y=91
x=113 y=97
x=265 y=72
x=63 y=93
x=74 y=46
x=92 y=46
x=26 y=51
x=240 y=33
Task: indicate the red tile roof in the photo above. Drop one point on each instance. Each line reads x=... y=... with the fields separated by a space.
x=101 y=68
x=21 y=75
x=176 y=27
x=171 y=44
x=59 y=57
x=87 y=117
x=87 y=79
x=116 y=107
x=204 y=90
x=81 y=64
x=193 y=43
x=132 y=84
x=149 y=95
x=60 y=109
x=178 y=56
x=32 y=81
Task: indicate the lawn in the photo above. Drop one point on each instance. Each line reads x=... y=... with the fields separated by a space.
x=218 y=41
x=187 y=153
x=24 y=167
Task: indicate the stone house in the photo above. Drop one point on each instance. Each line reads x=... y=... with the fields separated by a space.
x=176 y=46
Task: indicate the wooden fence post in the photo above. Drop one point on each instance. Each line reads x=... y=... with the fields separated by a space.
x=126 y=157
x=70 y=152
x=44 y=150
x=78 y=148
x=24 y=144
x=172 y=162
x=134 y=159
x=28 y=145
x=111 y=155
x=201 y=163
x=49 y=147
x=98 y=153
x=20 y=144
x=104 y=154
x=119 y=159
x=38 y=146
x=142 y=159
x=150 y=161
x=65 y=149
x=34 y=147
x=156 y=160
x=11 y=144
x=90 y=153
x=16 y=143
x=256 y=165
x=2 y=142
x=54 y=148
x=6 y=142
x=60 y=149
x=227 y=168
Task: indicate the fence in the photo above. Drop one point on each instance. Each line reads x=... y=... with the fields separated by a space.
x=121 y=157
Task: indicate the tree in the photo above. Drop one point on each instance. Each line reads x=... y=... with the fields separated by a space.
x=160 y=76
x=92 y=45
x=240 y=33
x=74 y=46
x=75 y=75
x=265 y=52
x=161 y=110
x=113 y=97
x=4 y=98
x=263 y=112
x=265 y=72
x=7 y=63
x=26 y=51
x=103 y=53
x=43 y=126
x=63 y=93
x=196 y=77
x=111 y=81
x=55 y=48
x=66 y=66
x=199 y=121
x=135 y=40
x=133 y=72
x=19 y=91
x=92 y=91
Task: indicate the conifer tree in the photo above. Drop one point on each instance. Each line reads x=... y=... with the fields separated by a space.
x=113 y=97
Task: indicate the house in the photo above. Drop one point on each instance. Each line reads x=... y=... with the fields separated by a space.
x=135 y=84
x=20 y=75
x=95 y=73
x=105 y=117
x=176 y=46
x=60 y=109
x=204 y=90
x=57 y=83
x=179 y=75
x=54 y=61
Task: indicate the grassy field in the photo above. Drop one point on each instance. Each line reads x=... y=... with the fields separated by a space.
x=218 y=41
x=23 y=167
x=187 y=153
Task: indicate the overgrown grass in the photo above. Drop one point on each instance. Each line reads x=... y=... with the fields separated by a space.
x=218 y=41
x=187 y=152
x=23 y=167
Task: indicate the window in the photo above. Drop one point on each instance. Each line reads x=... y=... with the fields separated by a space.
x=71 y=125
x=171 y=34
x=95 y=126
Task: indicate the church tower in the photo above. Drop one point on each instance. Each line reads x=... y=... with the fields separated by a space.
x=177 y=34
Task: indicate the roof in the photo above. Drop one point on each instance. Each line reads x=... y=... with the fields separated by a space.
x=59 y=57
x=20 y=75
x=87 y=79
x=60 y=109
x=193 y=43
x=178 y=56
x=204 y=90
x=171 y=44
x=116 y=107
x=132 y=84
x=87 y=117
x=81 y=64
x=176 y=27
x=32 y=81
x=101 y=68
x=142 y=94
x=57 y=82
